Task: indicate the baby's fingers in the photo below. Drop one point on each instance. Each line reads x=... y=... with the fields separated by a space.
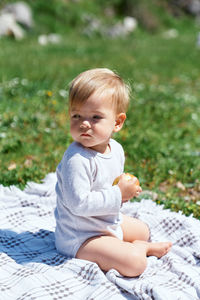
x=138 y=191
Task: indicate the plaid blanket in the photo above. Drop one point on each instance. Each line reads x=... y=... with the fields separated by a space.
x=31 y=268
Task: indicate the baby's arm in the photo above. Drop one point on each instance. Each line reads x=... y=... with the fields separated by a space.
x=76 y=182
x=128 y=188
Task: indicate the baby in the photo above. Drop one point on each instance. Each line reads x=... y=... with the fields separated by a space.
x=89 y=224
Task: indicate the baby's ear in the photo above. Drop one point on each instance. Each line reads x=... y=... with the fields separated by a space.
x=119 y=121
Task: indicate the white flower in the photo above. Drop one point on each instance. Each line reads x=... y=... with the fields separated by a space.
x=24 y=81
x=3 y=135
x=52 y=38
x=63 y=93
x=171 y=34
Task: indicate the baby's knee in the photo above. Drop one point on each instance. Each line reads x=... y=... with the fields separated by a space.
x=135 y=265
x=146 y=233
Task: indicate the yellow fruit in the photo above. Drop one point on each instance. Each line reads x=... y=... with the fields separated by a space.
x=128 y=177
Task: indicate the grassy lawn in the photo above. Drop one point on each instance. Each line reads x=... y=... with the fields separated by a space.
x=161 y=137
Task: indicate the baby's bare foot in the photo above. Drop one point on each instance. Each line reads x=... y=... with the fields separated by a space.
x=158 y=249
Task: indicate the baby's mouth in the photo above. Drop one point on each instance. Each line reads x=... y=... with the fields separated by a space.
x=85 y=134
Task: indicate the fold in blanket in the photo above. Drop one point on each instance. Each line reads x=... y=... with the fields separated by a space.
x=31 y=268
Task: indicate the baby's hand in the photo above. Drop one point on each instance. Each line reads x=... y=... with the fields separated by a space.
x=129 y=188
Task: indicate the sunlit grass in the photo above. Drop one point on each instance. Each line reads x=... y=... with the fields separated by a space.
x=161 y=134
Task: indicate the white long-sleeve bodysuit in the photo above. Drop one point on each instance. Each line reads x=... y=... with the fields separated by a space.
x=87 y=203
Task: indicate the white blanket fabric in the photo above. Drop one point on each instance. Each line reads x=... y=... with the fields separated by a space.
x=31 y=268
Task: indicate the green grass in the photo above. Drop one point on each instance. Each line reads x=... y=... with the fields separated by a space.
x=161 y=136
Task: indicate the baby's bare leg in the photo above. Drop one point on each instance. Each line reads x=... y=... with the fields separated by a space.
x=137 y=232
x=134 y=229
x=109 y=252
x=129 y=259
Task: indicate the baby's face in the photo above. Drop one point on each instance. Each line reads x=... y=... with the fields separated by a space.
x=93 y=122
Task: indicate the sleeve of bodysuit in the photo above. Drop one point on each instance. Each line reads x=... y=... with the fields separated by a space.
x=76 y=180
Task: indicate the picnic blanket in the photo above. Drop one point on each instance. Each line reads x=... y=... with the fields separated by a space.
x=31 y=268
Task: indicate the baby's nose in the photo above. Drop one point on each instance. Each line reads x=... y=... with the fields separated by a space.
x=85 y=124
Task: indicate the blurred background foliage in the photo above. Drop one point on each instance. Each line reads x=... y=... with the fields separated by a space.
x=63 y=15
x=160 y=59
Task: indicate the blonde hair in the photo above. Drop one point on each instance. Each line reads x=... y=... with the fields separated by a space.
x=103 y=82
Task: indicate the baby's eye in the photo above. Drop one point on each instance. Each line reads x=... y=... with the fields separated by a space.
x=76 y=116
x=96 y=117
